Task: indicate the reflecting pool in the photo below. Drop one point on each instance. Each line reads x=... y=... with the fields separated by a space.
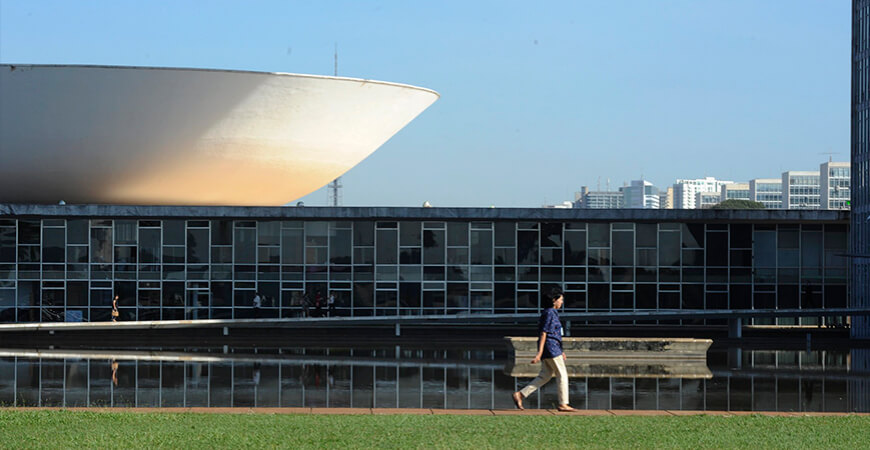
x=408 y=377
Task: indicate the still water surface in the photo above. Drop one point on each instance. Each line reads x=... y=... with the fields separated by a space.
x=407 y=377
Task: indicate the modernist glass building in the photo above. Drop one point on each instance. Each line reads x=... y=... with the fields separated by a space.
x=65 y=263
x=860 y=185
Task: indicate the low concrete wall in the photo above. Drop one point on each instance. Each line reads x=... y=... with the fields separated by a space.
x=621 y=348
x=627 y=368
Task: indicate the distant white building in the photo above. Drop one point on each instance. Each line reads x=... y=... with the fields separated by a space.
x=835 y=179
x=705 y=200
x=587 y=199
x=800 y=189
x=685 y=191
x=563 y=205
x=767 y=191
x=734 y=191
x=640 y=194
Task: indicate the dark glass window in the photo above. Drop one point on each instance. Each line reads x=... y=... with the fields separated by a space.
x=623 y=248
x=527 y=247
x=222 y=232
x=764 y=248
x=245 y=246
x=197 y=246
x=551 y=235
x=457 y=297
x=693 y=296
x=505 y=234
x=363 y=295
x=77 y=231
x=409 y=295
x=527 y=300
x=409 y=234
x=7 y=244
x=316 y=234
x=125 y=254
x=363 y=234
x=811 y=249
x=481 y=247
x=457 y=234
x=268 y=233
x=387 y=248
x=28 y=293
x=693 y=235
x=669 y=248
x=125 y=232
x=645 y=297
x=599 y=235
x=149 y=245
x=433 y=299
x=173 y=232
x=77 y=293
x=433 y=247
x=717 y=249
x=77 y=254
x=599 y=296
x=741 y=236
x=646 y=234
x=292 y=250
x=340 y=247
x=101 y=245
x=505 y=256
x=221 y=294
x=28 y=231
x=575 y=248
x=504 y=298
x=53 y=244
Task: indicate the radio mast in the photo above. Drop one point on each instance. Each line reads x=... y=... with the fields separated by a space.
x=335 y=186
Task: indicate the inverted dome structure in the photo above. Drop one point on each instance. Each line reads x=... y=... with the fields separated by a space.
x=161 y=136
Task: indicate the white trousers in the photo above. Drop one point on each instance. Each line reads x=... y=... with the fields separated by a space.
x=549 y=368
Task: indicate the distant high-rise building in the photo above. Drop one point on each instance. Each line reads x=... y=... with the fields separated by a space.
x=666 y=198
x=800 y=189
x=767 y=191
x=704 y=200
x=685 y=190
x=640 y=194
x=835 y=178
x=860 y=185
x=587 y=199
x=734 y=191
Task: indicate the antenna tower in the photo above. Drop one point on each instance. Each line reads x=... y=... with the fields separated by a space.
x=335 y=186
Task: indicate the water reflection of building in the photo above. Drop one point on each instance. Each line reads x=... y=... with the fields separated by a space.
x=208 y=262
x=769 y=380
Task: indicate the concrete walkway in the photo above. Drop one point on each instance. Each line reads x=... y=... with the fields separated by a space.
x=457 y=412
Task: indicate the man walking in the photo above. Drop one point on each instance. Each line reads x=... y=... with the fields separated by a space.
x=550 y=353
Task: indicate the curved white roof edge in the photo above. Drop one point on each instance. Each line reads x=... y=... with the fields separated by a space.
x=196 y=69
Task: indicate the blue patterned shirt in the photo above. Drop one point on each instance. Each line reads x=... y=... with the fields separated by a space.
x=549 y=323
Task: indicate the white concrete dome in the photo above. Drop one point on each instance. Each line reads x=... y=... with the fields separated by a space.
x=161 y=136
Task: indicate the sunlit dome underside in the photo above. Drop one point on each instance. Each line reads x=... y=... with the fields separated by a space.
x=157 y=136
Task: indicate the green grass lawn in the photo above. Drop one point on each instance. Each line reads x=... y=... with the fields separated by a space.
x=67 y=429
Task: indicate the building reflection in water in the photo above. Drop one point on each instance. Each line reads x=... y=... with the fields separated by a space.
x=397 y=378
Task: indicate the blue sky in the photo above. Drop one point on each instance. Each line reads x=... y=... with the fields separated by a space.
x=537 y=99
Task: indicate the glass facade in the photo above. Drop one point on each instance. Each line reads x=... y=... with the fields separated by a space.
x=55 y=268
x=860 y=182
